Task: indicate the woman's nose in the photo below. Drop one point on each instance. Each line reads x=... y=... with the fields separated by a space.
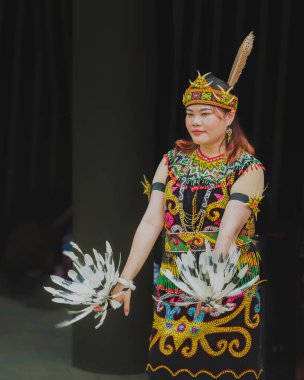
x=196 y=121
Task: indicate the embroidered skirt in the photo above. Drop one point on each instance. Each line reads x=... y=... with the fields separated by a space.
x=210 y=346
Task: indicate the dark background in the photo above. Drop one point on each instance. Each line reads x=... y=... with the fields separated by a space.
x=91 y=94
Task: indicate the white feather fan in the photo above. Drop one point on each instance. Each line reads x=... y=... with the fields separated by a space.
x=211 y=279
x=90 y=285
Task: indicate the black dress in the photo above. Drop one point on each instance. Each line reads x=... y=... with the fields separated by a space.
x=210 y=346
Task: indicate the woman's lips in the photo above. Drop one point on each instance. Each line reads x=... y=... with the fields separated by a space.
x=197 y=132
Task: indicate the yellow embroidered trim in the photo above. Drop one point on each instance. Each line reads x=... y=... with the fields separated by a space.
x=173 y=205
x=180 y=330
x=198 y=238
x=250 y=258
x=257 y=375
x=250 y=226
x=253 y=204
x=209 y=102
x=147 y=187
x=211 y=212
x=200 y=91
x=170 y=263
x=205 y=165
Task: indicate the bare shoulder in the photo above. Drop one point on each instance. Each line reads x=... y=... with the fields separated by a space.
x=161 y=171
x=251 y=182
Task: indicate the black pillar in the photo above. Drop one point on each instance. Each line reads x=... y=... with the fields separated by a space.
x=113 y=145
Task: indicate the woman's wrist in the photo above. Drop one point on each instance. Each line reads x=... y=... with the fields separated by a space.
x=126 y=283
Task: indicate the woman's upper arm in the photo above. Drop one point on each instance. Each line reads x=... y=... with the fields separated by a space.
x=250 y=183
x=161 y=172
x=245 y=196
x=248 y=189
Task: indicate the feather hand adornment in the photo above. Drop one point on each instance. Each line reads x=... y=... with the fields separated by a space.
x=211 y=279
x=90 y=284
x=147 y=187
x=240 y=59
x=253 y=204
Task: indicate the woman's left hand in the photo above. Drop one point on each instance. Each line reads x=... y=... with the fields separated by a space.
x=205 y=309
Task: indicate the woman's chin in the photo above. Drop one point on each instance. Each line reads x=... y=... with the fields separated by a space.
x=200 y=140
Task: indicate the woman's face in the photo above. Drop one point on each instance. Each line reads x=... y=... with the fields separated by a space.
x=206 y=124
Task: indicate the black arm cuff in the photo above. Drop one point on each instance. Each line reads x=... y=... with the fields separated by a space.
x=239 y=197
x=158 y=186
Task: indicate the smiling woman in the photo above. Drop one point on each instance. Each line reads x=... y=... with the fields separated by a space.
x=213 y=185
x=205 y=193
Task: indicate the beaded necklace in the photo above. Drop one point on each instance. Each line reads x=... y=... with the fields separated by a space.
x=189 y=220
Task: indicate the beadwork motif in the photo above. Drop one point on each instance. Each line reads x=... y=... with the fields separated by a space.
x=147 y=187
x=253 y=204
x=256 y=374
x=200 y=91
x=199 y=335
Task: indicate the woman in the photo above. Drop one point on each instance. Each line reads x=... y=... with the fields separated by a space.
x=211 y=187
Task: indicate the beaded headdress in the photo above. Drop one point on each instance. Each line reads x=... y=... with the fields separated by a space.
x=200 y=91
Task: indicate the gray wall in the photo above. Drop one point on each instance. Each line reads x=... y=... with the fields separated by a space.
x=113 y=145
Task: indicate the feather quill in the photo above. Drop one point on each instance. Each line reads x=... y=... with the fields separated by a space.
x=240 y=59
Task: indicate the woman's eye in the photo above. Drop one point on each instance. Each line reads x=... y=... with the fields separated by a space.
x=202 y=114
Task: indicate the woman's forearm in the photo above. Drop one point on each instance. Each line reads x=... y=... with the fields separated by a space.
x=235 y=216
x=149 y=228
x=223 y=243
x=143 y=242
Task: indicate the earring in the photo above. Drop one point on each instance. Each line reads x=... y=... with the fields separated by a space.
x=229 y=133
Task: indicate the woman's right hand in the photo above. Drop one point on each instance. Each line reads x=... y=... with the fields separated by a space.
x=123 y=298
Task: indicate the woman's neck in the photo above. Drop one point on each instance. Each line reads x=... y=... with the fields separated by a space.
x=211 y=151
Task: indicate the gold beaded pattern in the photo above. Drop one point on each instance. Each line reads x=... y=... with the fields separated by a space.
x=253 y=204
x=200 y=91
x=180 y=330
x=212 y=375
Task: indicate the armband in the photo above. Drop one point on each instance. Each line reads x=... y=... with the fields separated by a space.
x=239 y=197
x=158 y=186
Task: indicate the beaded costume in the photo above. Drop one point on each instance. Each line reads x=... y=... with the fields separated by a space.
x=196 y=193
x=210 y=345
